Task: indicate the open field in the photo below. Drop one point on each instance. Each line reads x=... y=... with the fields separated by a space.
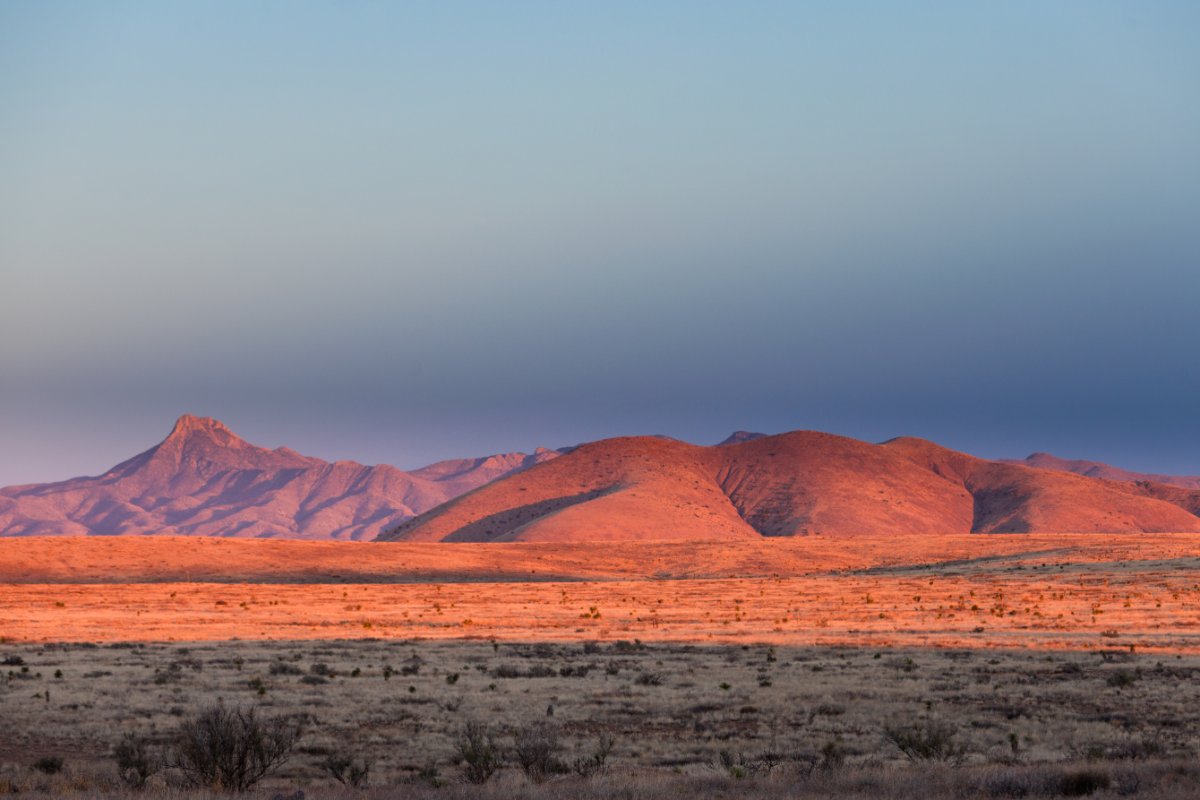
x=1049 y=592
x=167 y=559
x=769 y=669
x=672 y=709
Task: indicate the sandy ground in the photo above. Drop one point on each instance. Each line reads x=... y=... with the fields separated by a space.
x=1067 y=591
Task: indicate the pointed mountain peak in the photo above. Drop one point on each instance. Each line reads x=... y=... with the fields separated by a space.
x=189 y=427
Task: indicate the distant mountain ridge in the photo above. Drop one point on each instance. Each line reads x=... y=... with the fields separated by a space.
x=1096 y=469
x=203 y=480
x=803 y=482
x=737 y=437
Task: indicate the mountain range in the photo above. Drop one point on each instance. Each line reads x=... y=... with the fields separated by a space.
x=791 y=484
x=1095 y=469
x=203 y=480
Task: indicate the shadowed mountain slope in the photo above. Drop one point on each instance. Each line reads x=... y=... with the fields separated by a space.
x=204 y=480
x=790 y=484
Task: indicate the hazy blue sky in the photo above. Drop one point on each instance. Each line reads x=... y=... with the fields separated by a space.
x=402 y=232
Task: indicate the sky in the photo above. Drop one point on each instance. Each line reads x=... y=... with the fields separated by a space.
x=401 y=232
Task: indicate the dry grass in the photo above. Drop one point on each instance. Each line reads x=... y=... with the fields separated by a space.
x=401 y=705
x=1045 y=665
x=1157 y=780
x=174 y=559
x=1140 y=610
x=1064 y=592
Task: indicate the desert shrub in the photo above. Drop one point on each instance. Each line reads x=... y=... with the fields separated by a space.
x=738 y=765
x=481 y=755
x=232 y=749
x=314 y=680
x=536 y=748
x=595 y=761
x=732 y=763
x=172 y=674
x=50 y=765
x=1044 y=781
x=284 y=668
x=321 y=669
x=1123 y=678
x=580 y=671
x=1136 y=748
x=1131 y=748
x=931 y=740
x=347 y=770
x=833 y=756
x=136 y=763
x=534 y=671
x=650 y=679
x=741 y=765
x=1082 y=782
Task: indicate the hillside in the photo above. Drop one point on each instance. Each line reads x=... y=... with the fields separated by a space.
x=804 y=482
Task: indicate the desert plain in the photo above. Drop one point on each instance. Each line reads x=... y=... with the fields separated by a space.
x=1050 y=664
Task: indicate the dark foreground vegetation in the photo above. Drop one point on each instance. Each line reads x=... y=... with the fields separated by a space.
x=1150 y=780
x=223 y=751
x=370 y=719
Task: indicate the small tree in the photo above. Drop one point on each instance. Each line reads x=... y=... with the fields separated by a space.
x=536 y=749
x=232 y=749
x=480 y=754
x=928 y=741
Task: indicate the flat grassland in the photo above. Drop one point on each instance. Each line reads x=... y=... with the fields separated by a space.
x=1080 y=592
x=772 y=669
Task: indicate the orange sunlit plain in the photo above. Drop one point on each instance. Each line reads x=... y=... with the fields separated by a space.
x=1041 y=591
